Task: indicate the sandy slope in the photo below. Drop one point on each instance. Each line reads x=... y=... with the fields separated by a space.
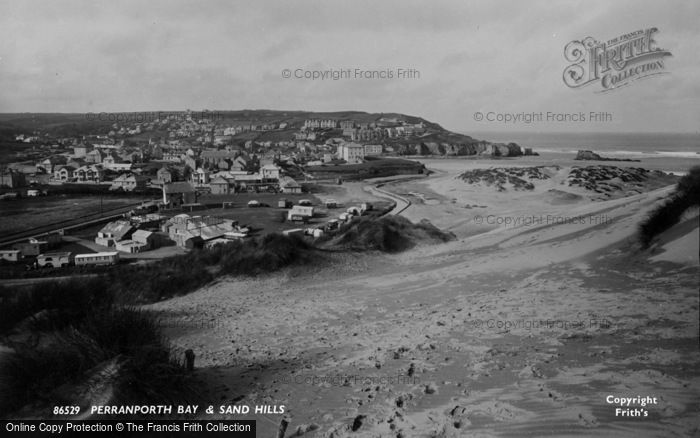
x=512 y=330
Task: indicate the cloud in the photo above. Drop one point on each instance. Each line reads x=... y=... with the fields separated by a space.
x=504 y=55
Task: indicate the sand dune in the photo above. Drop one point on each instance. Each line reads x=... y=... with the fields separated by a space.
x=515 y=329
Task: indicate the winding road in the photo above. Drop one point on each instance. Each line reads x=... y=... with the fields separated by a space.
x=400 y=203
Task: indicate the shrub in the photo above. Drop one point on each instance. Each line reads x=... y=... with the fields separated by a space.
x=271 y=253
x=32 y=375
x=148 y=372
x=68 y=301
x=80 y=329
x=83 y=325
x=170 y=277
x=387 y=234
x=668 y=214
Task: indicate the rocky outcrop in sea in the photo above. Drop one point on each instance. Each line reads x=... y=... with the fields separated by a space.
x=592 y=156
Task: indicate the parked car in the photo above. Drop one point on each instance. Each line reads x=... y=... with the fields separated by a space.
x=54 y=259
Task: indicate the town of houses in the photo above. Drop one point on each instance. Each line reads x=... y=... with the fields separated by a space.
x=183 y=158
x=196 y=158
x=199 y=151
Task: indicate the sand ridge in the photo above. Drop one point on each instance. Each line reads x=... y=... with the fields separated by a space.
x=508 y=331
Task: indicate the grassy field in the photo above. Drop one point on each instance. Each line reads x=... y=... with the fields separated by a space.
x=262 y=220
x=12 y=151
x=371 y=168
x=22 y=214
x=271 y=219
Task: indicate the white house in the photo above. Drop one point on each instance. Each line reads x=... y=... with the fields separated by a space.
x=64 y=173
x=199 y=177
x=269 y=171
x=351 y=152
x=129 y=182
x=89 y=174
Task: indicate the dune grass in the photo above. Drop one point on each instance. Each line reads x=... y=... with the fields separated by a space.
x=389 y=234
x=60 y=333
x=185 y=273
x=668 y=214
x=63 y=333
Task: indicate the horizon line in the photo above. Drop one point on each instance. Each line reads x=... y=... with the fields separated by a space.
x=459 y=130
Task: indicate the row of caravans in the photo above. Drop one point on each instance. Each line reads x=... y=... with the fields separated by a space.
x=62 y=259
x=304 y=211
x=355 y=211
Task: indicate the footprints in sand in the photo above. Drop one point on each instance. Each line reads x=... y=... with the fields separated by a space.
x=464 y=346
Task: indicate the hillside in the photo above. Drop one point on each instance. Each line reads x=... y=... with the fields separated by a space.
x=81 y=123
x=429 y=139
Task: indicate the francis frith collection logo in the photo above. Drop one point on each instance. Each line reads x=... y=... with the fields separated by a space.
x=614 y=63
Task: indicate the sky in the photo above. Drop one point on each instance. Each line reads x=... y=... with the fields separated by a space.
x=466 y=57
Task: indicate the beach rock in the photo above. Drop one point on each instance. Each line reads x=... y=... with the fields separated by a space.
x=304 y=428
x=588 y=155
x=474 y=147
x=502 y=150
x=612 y=180
x=592 y=156
x=402 y=400
x=357 y=422
x=503 y=178
x=587 y=420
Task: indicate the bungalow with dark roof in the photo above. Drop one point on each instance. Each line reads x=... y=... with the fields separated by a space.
x=164 y=175
x=177 y=193
x=29 y=249
x=288 y=185
x=221 y=186
x=94 y=156
x=213 y=156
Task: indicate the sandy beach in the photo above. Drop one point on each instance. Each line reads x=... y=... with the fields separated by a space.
x=532 y=322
